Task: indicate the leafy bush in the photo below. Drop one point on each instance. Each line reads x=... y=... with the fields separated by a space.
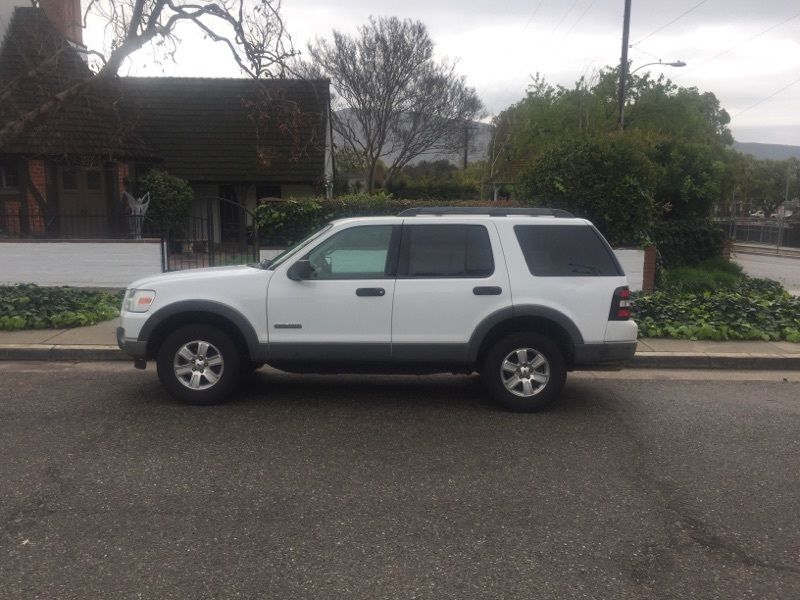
x=609 y=181
x=687 y=242
x=32 y=307
x=753 y=310
x=285 y=222
x=709 y=276
x=171 y=201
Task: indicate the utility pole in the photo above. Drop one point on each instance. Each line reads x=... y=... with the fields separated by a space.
x=623 y=63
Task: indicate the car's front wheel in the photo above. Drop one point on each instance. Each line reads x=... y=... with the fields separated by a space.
x=524 y=371
x=199 y=364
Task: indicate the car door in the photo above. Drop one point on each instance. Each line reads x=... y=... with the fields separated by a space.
x=450 y=277
x=342 y=311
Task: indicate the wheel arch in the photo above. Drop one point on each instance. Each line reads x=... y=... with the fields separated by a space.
x=229 y=320
x=542 y=319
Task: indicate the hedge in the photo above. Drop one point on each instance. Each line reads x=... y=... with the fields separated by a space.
x=687 y=242
x=284 y=222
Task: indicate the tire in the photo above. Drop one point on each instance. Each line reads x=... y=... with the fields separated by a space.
x=524 y=371
x=199 y=364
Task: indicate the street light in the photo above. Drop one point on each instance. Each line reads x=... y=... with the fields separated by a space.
x=677 y=63
x=623 y=90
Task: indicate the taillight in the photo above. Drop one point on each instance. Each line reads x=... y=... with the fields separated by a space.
x=620 y=305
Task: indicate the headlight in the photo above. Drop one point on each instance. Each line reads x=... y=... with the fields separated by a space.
x=138 y=301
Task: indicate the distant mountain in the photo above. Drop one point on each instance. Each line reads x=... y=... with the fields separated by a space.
x=480 y=138
x=767 y=151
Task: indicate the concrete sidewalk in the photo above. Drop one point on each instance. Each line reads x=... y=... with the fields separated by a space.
x=98 y=342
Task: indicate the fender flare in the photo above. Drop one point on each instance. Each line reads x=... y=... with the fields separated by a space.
x=206 y=306
x=525 y=310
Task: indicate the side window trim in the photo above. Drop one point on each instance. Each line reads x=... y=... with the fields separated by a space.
x=404 y=253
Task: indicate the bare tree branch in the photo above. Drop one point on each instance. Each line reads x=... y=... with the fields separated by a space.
x=394 y=101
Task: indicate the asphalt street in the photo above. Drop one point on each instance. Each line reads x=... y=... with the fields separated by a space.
x=785 y=269
x=635 y=485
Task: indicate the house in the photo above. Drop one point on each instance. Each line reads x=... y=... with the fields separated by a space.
x=235 y=140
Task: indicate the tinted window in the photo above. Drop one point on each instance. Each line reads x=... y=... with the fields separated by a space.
x=355 y=253
x=446 y=251
x=565 y=251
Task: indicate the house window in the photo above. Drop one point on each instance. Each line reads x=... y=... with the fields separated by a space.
x=268 y=191
x=93 y=181
x=69 y=179
x=9 y=176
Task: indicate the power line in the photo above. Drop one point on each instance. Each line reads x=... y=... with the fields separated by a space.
x=580 y=18
x=748 y=40
x=533 y=14
x=770 y=97
x=563 y=18
x=676 y=19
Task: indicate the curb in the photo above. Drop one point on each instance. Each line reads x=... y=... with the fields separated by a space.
x=61 y=352
x=642 y=360
x=715 y=361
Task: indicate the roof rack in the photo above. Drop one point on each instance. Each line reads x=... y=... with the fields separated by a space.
x=486 y=210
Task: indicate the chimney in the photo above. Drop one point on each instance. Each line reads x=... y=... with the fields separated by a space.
x=66 y=16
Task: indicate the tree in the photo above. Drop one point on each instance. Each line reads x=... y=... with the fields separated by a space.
x=393 y=101
x=683 y=132
x=251 y=30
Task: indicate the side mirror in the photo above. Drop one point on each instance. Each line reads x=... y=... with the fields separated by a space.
x=300 y=270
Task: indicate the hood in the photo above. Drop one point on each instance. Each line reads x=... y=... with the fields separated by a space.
x=207 y=275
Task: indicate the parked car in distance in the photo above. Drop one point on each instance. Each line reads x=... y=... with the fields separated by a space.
x=520 y=295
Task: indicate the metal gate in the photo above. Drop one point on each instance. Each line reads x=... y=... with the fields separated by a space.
x=208 y=241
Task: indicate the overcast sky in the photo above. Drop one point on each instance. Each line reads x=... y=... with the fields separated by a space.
x=742 y=50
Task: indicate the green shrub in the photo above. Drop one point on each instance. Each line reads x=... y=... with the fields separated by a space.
x=752 y=310
x=687 y=242
x=29 y=306
x=171 y=201
x=609 y=181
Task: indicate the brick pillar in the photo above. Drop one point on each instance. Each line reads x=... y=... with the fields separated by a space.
x=123 y=170
x=37 y=180
x=649 y=274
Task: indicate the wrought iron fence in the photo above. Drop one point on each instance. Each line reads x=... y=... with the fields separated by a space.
x=773 y=232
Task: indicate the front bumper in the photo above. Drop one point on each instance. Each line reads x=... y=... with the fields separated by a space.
x=608 y=355
x=132 y=347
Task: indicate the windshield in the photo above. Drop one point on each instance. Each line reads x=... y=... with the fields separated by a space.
x=292 y=249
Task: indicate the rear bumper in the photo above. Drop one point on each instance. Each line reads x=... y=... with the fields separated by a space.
x=608 y=355
x=132 y=347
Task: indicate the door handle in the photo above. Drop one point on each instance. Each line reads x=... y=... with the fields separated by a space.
x=370 y=292
x=487 y=290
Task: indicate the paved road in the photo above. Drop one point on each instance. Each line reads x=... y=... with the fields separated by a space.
x=633 y=486
x=780 y=268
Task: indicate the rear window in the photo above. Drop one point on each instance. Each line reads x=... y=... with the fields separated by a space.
x=566 y=251
x=445 y=251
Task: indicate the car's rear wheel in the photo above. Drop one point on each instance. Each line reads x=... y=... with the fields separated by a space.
x=199 y=364
x=524 y=371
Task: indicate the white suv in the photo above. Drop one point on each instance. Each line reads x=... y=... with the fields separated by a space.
x=520 y=295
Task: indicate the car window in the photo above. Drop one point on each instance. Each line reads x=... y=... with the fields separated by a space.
x=566 y=251
x=445 y=251
x=355 y=253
